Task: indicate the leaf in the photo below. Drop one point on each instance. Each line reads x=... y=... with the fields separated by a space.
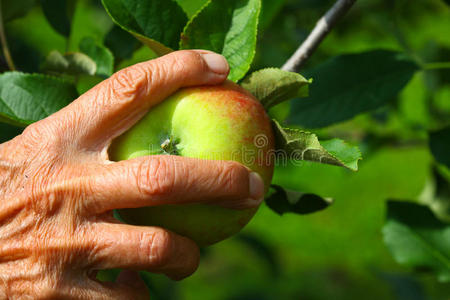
x=272 y=86
x=15 y=9
x=228 y=27
x=27 y=98
x=302 y=145
x=121 y=43
x=348 y=155
x=191 y=7
x=350 y=84
x=101 y=55
x=440 y=145
x=283 y=201
x=59 y=14
x=80 y=63
x=74 y=63
x=55 y=62
x=416 y=238
x=157 y=23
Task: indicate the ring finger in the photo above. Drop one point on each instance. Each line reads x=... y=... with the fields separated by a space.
x=143 y=248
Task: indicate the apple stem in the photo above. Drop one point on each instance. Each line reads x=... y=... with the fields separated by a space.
x=169 y=146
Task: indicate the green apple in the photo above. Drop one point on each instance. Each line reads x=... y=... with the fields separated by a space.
x=223 y=122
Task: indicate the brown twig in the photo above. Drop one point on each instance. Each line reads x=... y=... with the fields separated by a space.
x=322 y=28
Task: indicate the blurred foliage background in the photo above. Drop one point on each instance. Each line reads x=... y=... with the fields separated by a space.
x=337 y=253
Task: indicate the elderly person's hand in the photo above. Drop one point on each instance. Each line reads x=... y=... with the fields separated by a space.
x=58 y=190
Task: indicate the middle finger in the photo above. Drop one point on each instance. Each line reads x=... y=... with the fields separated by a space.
x=167 y=179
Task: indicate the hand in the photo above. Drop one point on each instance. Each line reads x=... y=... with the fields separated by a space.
x=58 y=190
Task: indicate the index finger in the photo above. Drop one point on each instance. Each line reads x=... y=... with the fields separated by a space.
x=120 y=101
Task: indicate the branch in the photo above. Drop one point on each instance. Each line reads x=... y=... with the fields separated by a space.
x=5 y=48
x=322 y=28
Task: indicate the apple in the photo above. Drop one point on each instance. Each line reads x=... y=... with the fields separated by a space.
x=222 y=122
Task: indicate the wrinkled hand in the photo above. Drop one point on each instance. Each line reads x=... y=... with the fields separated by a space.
x=58 y=190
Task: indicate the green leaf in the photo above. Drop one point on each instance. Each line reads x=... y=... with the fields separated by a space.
x=228 y=27
x=272 y=86
x=157 y=23
x=440 y=145
x=27 y=98
x=15 y=9
x=348 y=155
x=74 y=63
x=101 y=55
x=59 y=14
x=302 y=145
x=416 y=238
x=55 y=62
x=351 y=84
x=283 y=201
x=121 y=43
x=191 y=7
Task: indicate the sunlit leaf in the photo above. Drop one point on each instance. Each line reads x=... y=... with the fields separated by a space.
x=157 y=23
x=27 y=98
x=302 y=145
x=228 y=27
x=272 y=86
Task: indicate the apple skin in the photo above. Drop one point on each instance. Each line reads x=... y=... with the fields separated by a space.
x=221 y=122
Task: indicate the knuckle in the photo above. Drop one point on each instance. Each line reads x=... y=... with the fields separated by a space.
x=44 y=137
x=159 y=248
x=185 y=61
x=129 y=82
x=155 y=177
x=234 y=177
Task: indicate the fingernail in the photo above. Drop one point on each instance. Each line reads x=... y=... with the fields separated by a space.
x=256 y=187
x=216 y=62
